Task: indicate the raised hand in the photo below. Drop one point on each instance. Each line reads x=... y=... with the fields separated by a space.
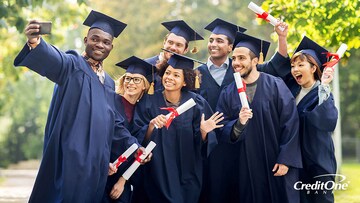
x=31 y=28
x=210 y=124
x=327 y=75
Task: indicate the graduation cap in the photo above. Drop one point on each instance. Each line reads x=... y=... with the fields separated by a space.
x=258 y=46
x=178 y=61
x=307 y=46
x=134 y=64
x=180 y=28
x=105 y=23
x=219 y=26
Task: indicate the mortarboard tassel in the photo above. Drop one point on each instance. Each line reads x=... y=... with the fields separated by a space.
x=261 y=55
x=261 y=58
x=197 y=80
x=151 y=88
x=194 y=50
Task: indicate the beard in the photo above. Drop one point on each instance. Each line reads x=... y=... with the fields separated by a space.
x=247 y=70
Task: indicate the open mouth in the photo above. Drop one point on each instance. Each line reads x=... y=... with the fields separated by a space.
x=298 y=77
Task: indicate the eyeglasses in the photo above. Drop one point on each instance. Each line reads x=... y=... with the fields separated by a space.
x=136 y=80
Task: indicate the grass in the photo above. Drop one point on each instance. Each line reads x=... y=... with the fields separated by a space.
x=352 y=193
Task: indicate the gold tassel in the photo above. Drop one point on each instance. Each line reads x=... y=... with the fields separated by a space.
x=261 y=55
x=197 y=82
x=261 y=58
x=151 y=89
x=194 y=50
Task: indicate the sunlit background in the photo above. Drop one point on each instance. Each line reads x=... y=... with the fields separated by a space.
x=25 y=96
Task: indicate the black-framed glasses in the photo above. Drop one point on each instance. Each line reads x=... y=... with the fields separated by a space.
x=136 y=80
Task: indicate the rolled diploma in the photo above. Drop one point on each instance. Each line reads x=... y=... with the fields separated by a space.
x=341 y=51
x=125 y=155
x=128 y=173
x=182 y=108
x=239 y=85
x=258 y=10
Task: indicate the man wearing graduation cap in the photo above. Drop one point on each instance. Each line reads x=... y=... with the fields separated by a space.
x=266 y=133
x=82 y=122
x=215 y=75
x=177 y=40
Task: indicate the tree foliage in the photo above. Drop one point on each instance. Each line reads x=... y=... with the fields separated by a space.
x=327 y=22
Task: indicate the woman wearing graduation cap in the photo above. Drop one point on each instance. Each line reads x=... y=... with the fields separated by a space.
x=131 y=87
x=318 y=117
x=175 y=172
x=82 y=122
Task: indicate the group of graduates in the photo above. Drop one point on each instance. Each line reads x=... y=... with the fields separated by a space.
x=216 y=151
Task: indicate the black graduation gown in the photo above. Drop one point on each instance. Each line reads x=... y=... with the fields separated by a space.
x=81 y=127
x=219 y=168
x=317 y=122
x=270 y=137
x=111 y=180
x=175 y=171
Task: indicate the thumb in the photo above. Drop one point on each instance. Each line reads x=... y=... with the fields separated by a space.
x=275 y=167
x=202 y=117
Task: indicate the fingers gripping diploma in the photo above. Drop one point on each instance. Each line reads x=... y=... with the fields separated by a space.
x=112 y=169
x=141 y=151
x=327 y=75
x=281 y=28
x=245 y=114
x=210 y=124
x=159 y=121
x=280 y=169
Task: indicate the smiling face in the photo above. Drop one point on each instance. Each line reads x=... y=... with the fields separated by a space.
x=219 y=46
x=98 y=44
x=303 y=69
x=134 y=84
x=176 y=44
x=243 y=61
x=173 y=79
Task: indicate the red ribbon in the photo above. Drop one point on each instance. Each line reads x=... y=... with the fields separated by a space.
x=263 y=16
x=121 y=159
x=138 y=159
x=334 y=60
x=243 y=89
x=173 y=114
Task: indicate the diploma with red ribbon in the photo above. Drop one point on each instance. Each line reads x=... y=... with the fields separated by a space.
x=263 y=14
x=178 y=111
x=335 y=57
x=122 y=158
x=131 y=170
x=241 y=88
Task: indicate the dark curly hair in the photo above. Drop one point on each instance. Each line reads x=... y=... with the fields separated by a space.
x=189 y=78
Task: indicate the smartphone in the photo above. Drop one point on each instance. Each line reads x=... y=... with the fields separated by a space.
x=45 y=28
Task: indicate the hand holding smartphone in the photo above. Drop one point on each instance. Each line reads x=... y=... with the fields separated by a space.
x=45 y=28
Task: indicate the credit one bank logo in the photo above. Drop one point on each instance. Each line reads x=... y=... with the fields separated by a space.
x=341 y=184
